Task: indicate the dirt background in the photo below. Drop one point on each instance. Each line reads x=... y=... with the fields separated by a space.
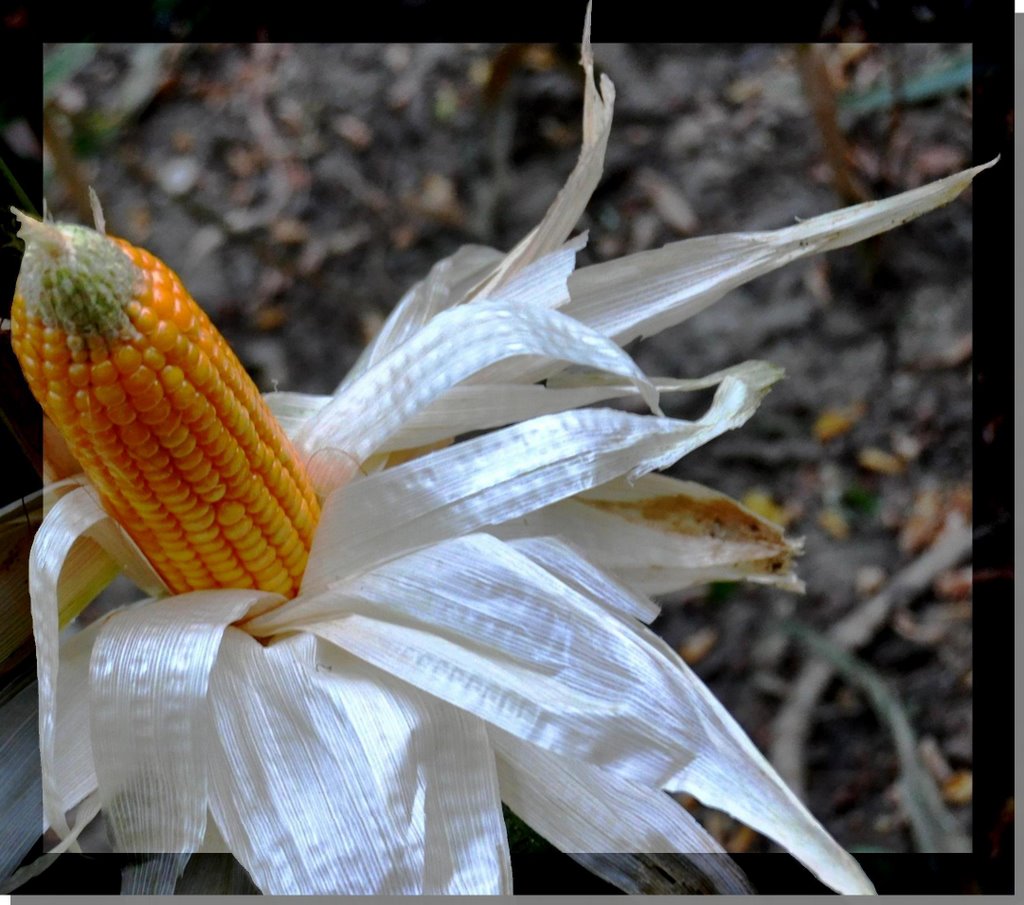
x=300 y=190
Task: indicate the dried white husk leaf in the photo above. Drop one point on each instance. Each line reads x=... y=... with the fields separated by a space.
x=469 y=407
x=535 y=656
x=578 y=807
x=645 y=293
x=69 y=520
x=509 y=473
x=557 y=670
x=582 y=809
x=473 y=407
x=292 y=410
x=569 y=204
x=660 y=535
x=343 y=780
x=74 y=769
x=455 y=345
x=571 y=567
x=447 y=284
x=149 y=674
x=733 y=776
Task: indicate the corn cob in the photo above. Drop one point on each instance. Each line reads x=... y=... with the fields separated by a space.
x=160 y=414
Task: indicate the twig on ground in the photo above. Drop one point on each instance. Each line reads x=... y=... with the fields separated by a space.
x=821 y=95
x=934 y=828
x=792 y=724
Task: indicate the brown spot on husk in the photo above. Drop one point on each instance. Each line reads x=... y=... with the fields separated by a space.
x=718 y=518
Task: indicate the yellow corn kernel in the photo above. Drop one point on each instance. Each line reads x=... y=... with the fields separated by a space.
x=160 y=414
